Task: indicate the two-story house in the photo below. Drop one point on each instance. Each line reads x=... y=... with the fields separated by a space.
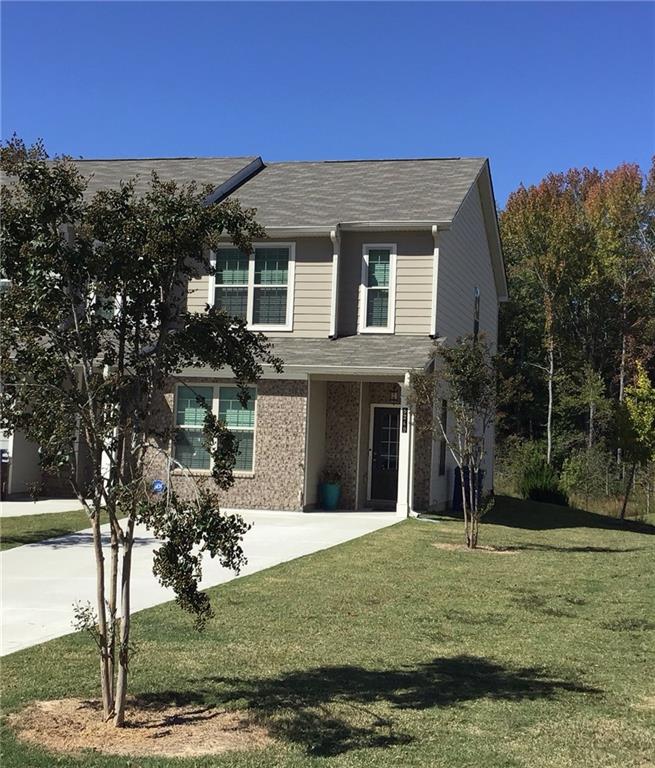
x=365 y=265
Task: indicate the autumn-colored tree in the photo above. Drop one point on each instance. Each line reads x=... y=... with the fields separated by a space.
x=546 y=237
x=622 y=216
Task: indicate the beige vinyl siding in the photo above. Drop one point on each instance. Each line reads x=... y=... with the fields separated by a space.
x=198 y=294
x=312 y=289
x=414 y=260
x=464 y=264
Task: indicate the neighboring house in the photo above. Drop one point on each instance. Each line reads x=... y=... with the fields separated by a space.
x=365 y=265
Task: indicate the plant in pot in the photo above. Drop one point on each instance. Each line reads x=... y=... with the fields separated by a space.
x=329 y=489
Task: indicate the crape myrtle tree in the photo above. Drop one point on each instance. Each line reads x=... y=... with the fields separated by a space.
x=94 y=327
x=464 y=375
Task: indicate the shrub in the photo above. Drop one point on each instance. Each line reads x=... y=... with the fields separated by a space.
x=538 y=481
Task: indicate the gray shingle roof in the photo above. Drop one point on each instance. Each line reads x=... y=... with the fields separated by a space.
x=107 y=174
x=389 y=354
x=313 y=194
x=323 y=194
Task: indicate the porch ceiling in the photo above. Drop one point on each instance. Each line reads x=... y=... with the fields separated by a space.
x=384 y=353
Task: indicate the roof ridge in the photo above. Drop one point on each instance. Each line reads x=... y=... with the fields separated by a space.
x=149 y=159
x=373 y=160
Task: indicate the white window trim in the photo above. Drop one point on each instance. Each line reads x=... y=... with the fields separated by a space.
x=291 y=283
x=363 y=290
x=216 y=390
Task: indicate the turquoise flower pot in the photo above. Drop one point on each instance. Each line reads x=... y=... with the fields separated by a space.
x=329 y=494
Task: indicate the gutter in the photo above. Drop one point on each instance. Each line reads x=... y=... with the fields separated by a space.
x=354 y=226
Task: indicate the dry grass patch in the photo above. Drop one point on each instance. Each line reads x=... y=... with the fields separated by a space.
x=480 y=548
x=75 y=725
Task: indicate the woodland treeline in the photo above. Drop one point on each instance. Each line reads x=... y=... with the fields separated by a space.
x=579 y=331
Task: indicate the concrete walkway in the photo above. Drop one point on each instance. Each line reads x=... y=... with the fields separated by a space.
x=24 y=506
x=41 y=581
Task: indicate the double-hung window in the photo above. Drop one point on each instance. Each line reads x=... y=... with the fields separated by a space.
x=189 y=449
x=378 y=289
x=231 y=282
x=257 y=288
x=241 y=422
x=189 y=419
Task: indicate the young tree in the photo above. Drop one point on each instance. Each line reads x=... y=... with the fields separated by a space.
x=637 y=427
x=94 y=328
x=465 y=376
x=545 y=235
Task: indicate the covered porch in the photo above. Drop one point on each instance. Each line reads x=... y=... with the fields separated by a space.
x=360 y=428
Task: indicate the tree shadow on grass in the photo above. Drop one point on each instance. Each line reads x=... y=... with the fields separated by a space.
x=539 y=516
x=333 y=709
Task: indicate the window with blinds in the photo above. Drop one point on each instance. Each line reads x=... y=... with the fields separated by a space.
x=241 y=422
x=189 y=419
x=191 y=403
x=256 y=288
x=270 y=286
x=377 y=287
x=231 y=282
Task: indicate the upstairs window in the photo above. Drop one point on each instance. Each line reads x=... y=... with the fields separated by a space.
x=378 y=289
x=256 y=288
x=231 y=282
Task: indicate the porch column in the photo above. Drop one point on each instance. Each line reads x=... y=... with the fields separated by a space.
x=403 y=502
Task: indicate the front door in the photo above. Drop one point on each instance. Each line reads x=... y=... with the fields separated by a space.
x=384 y=453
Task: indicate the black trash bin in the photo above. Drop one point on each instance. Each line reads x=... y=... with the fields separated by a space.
x=5 y=463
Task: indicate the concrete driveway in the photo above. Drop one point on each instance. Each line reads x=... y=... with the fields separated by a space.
x=18 y=507
x=41 y=581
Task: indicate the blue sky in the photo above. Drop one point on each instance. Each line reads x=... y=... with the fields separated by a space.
x=534 y=86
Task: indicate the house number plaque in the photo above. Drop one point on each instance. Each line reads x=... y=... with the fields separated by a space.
x=404 y=418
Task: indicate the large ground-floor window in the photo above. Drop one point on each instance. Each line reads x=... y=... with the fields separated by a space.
x=190 y=405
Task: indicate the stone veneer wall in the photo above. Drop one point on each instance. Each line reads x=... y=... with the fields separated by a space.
x=422 y=464
x=278 y=478
x=341 y=436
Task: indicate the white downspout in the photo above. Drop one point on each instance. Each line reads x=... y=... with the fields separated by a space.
x=403 y=502
x=435 y=280
x=335 y=236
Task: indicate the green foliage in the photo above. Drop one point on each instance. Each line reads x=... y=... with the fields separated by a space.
x=590 y=473
x=538 y=481
x=95 y=328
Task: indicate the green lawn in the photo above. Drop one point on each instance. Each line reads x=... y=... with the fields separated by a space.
x=389 y=651
x=26 y=529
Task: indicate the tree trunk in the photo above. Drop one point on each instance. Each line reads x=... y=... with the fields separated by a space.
x=628 y=487
x=549 y=422
x=592 y=410
x=464 y=507
x=472 y=499
x=621 y=379
x=113 y=627
x=123 y=648
x=105 y=678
